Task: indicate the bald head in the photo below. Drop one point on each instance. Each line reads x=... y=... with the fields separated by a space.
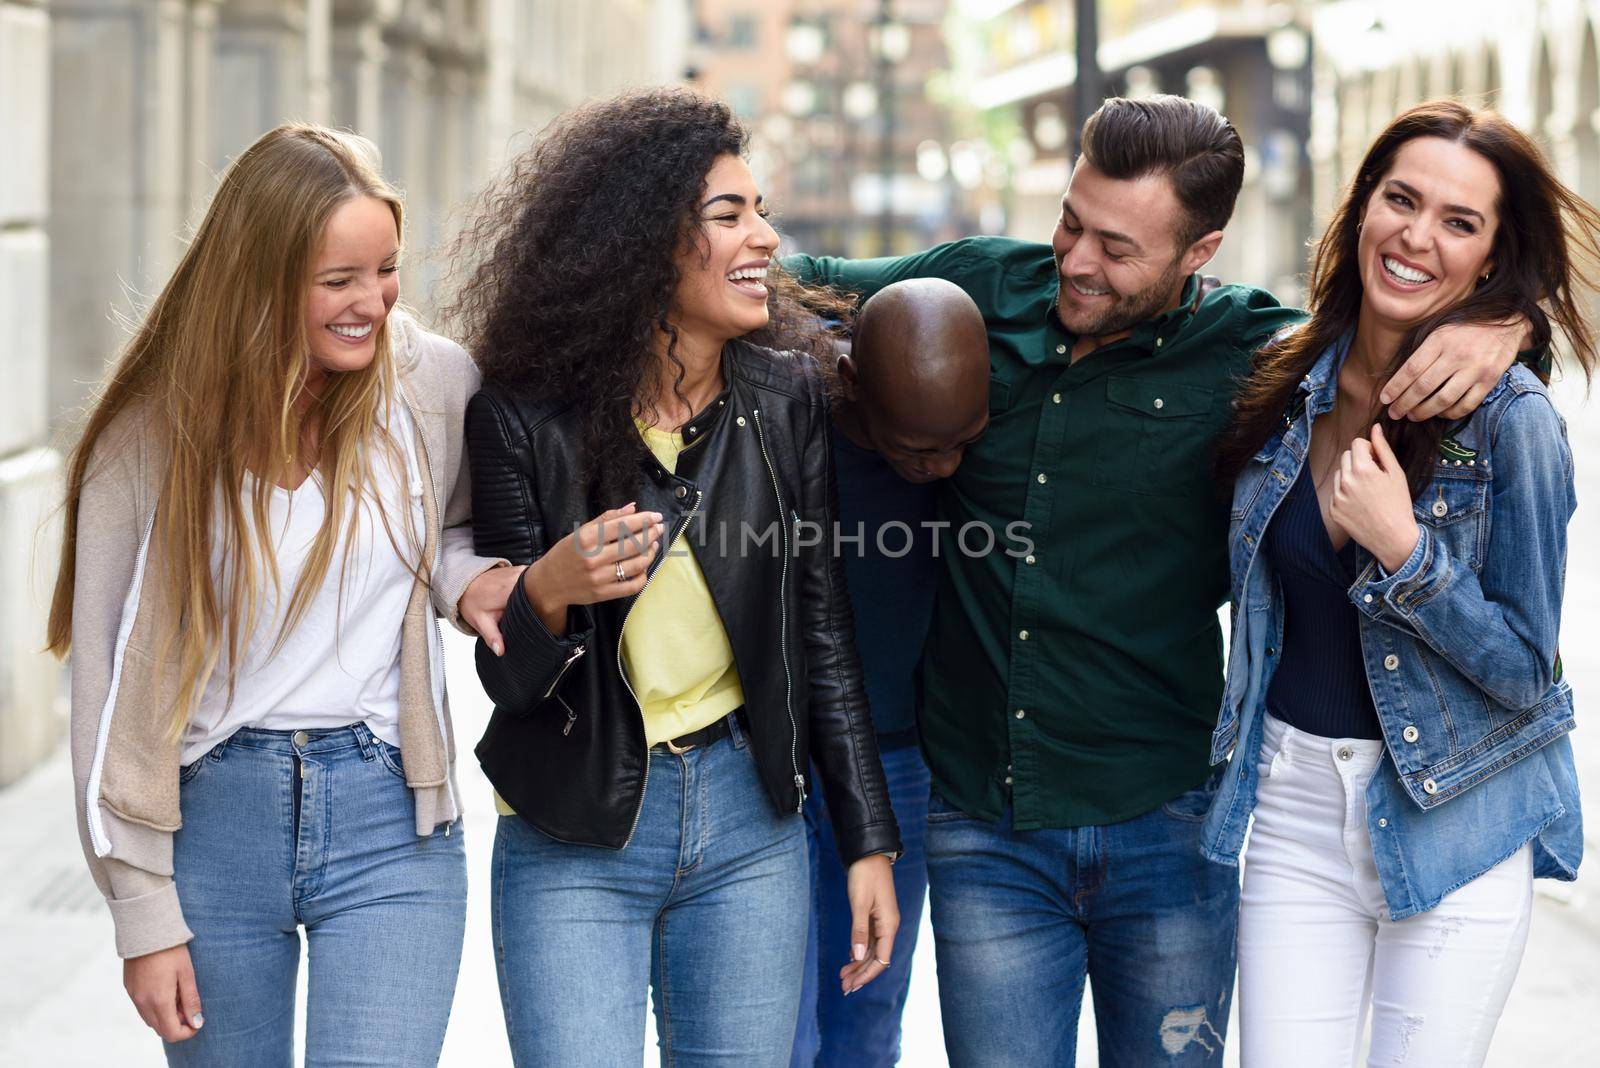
x=917 y=376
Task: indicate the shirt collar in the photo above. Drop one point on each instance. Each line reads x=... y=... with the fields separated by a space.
x=1321 y=383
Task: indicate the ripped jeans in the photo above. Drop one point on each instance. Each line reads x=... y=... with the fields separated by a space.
x=1316 y=945
x=1022 y=918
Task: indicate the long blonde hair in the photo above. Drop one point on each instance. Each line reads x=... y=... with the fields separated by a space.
x=218 y=368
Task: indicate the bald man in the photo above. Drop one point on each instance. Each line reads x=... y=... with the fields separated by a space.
x=912 y=395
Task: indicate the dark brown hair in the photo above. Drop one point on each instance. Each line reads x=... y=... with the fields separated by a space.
x=1190 y=143
x=566 y=272
x=1545 y=251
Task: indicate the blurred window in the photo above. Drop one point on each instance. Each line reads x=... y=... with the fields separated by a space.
x=742 y=32
x=745 y=100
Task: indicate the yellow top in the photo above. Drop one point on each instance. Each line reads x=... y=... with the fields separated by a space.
x=674 y=648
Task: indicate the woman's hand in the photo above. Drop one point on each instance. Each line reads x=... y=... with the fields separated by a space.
x=1454 y=368
x=484 y=602
x=606 y=558
x=161 y=985
x=1372 y=501
x=875 y=917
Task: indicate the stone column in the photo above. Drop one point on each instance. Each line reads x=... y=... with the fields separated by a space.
x=356 y=67
x=30 y=682
x=261 y=73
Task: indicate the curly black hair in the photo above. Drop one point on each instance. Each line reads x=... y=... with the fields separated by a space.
x=565 y=274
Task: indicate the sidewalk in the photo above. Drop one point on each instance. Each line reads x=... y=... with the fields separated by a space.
x=62 y=1005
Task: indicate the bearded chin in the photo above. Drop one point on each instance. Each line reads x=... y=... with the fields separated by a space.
x=1127 y=312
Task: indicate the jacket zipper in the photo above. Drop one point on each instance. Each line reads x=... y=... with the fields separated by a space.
x=572 y=658
x=130 y=611
x=436 y=659
x=783 y=623
x=623 y=672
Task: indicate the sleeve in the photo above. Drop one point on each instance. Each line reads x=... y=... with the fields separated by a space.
x=459 y=562
x=844 y=746
x=510 y=526
x=1499 y=627
x=865 y=277
x=143 y=899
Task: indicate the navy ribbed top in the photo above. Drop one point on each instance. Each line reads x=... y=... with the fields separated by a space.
x=1320 y=686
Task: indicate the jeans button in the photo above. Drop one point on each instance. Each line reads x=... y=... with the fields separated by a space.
x=1345 y=752
x=1410 y=734
x=1429 y=786
x=1391 y=662
x=300 y=738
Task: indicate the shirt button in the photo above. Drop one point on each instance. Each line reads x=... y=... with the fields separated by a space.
x=1022 y=635
x=1429 y=786
x=1158 y=342
x=1055 y=398
x=1008 y=780
x=681 y=492
x=1061 y=350
x=1383 y=823
x=1028 y=558
x=1345 y=752
x=1022 y=713
x=1042 y=479
x=1410 y=734
x=1160 y=404
x=300 y=738
x=1391 y=662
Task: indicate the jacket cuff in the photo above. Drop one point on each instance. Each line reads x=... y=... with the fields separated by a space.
x=534 y=659
x=150 y=922
x=870 y=840
x=1388 y=589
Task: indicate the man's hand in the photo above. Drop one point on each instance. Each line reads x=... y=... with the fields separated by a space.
x=1453 y=369
x=161 y=985
x=484 y=602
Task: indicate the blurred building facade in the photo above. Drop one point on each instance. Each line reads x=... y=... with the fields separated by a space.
x=118 y=114
x=1248 y=58
x=849 y=132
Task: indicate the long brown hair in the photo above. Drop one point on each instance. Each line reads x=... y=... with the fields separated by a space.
x=215 y=373
x=1545 y=253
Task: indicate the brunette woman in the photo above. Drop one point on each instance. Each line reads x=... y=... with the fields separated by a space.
x=652 y=441
x=1395 y=701
x=264 y=516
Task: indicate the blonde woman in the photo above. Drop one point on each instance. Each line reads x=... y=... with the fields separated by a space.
x=265 y=514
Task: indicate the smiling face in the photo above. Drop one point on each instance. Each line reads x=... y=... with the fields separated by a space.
x=721 y=278
x=1117 y=253
x=354 y=283
x=1427 y=232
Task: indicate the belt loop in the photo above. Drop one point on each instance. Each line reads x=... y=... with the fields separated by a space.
x=366 y=741
x=735 y=732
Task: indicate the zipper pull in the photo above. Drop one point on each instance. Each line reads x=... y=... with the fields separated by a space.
x=572 y=717
x=800 y=788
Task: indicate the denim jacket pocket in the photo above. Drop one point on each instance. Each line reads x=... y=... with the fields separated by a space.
x=1159 y=435
x=1455 y=507
x=1193 y=805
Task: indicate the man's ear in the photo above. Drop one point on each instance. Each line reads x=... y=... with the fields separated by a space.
x=1200 y=253
x=849 y=381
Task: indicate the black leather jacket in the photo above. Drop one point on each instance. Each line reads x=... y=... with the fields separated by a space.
x=566 y=745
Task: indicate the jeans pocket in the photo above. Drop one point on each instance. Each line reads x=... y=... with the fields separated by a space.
x=1193 y=805
x=188 y=773
x=942 y=811
x=390 y=755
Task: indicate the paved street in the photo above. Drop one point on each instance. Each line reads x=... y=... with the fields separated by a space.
x=61 y=1002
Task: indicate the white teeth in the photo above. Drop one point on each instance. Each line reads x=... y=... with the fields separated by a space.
x=1088 y=292
x=757 y=274
x=1404 y=273
x=354 y=332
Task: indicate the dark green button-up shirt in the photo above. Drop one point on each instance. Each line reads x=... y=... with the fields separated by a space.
x=1078 y=679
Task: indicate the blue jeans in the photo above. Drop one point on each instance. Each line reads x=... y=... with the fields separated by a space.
x=863 y=1030
x=706 y=906
x=264 y=850
x=1020 y=918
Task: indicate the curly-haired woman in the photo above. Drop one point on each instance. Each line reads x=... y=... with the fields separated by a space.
x=1395 y=700
x=653 y=442
x=265 y=514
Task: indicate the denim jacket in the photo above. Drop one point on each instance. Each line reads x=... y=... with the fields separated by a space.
x=1459 y=646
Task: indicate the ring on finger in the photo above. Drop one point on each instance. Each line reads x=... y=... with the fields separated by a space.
x=881 y=961
x=622 y=576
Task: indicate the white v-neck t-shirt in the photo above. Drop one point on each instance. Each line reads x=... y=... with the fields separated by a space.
x=341 y=663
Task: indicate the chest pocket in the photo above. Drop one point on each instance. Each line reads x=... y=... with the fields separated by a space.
x=1455 y=506
x=1157 y=438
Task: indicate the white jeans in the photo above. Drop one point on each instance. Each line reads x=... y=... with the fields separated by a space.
x=1315 y=938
